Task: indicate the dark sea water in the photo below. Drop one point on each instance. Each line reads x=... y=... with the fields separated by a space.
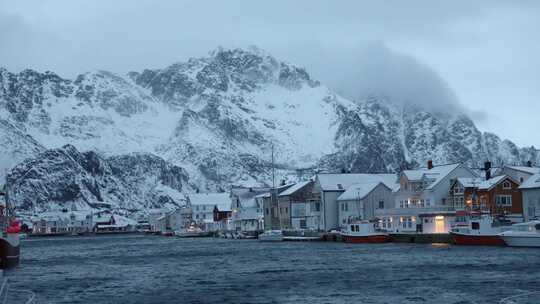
x=154 y=269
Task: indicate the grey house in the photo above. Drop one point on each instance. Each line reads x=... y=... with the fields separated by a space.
x=530 y=190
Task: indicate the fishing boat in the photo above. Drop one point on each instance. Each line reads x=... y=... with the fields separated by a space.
x=523 y=235
x=271 y=236
x=9 y=236
x=478 y=229
x=364 y=232
x=191 y=232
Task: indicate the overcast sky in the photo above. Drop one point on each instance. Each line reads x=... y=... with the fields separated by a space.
x=480 y=57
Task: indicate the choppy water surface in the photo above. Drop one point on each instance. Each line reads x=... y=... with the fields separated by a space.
x=153 y=269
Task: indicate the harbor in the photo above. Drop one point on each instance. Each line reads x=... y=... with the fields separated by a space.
x=155 y=269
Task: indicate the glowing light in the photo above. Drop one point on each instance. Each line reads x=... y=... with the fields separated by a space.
x=439 y=217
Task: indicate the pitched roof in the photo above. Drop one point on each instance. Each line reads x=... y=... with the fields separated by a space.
x=359 y=191
x=434 y=175
x=221 y=200
x=247 y=195
x=530 y=170
x=481 y=183
x=341 y=182
x=295 y=188
x=532 y=182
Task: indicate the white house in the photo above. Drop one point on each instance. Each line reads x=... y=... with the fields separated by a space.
x=530 y=191
x=328 y=187
x=63 y=221
x=360 y=201
x=422 y=201
x=247 y=209
x=203 y=205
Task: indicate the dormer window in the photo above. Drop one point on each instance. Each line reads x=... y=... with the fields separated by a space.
x=340 y=186
x=507 y=185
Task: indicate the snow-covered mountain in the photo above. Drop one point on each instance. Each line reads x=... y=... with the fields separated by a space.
x=219 y=116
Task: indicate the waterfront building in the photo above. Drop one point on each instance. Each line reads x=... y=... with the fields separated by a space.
x=530 y=190
x=203 y=206
x=246 y=209
x=328 y=187
x=360 y=201
x=499 y=196
x=298 y=209
x=421 y=204
x=273 y=214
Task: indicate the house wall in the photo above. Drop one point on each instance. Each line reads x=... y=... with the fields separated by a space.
x=355 y=208
x=330 y=206
x=531 y=203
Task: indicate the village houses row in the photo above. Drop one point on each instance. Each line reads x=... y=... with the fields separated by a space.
x=427 y=200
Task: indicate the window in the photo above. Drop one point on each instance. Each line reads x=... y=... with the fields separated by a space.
x=197 y=208
x=204 y=208
x=400 y=204
x=346 y=207
x=204 y=216
x=317 y=207
x=458 y=189
x=381 y=204
x=286 y=210
x=475 y=226
x=503 y=200
x=444 y=201
x=507 y=185
x=267 y=211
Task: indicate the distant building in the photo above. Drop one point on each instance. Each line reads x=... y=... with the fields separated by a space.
x=298 y=210
x=247 y=214
x=203 y=206
x=271 y=211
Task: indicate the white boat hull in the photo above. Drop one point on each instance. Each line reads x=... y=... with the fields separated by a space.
x=521 y=240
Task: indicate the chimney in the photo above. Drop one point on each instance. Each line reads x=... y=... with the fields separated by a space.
x=487 y=168
x=529 y=163
x=430 y=164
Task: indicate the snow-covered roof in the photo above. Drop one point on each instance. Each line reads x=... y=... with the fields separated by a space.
x=434 y=175
x=532 y=182
x=295 y=188
x=247 y=195
x=341 y=182
x=359 y=191
x=249 y=214
x=221 y=200
x=530 y=170
x=481 y=183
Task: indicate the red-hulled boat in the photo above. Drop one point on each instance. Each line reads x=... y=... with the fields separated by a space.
x=477 y=230
x=364 y=232
x=9 y=236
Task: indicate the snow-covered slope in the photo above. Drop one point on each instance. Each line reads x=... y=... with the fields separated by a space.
x=219 y=116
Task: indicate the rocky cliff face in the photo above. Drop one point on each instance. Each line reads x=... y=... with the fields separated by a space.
x=67 y=178
x=217 y=117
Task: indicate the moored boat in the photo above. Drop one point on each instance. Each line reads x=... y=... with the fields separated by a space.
x=191 y=232
x=271 y=236
x=523 y=235
x=9 y=237
x=364 y=232
x=478 y=230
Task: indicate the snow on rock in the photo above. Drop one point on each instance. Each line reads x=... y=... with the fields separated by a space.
x=217 y=117
x=66 y=178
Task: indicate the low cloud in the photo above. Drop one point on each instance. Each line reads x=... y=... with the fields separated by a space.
x=380 y=71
